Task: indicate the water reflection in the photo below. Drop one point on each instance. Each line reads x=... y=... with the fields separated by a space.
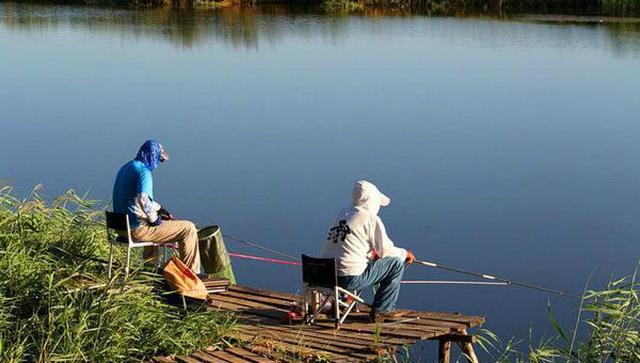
x=251 y=27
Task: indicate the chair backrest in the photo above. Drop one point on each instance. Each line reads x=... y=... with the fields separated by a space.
x=319 y=272
x=117 y=221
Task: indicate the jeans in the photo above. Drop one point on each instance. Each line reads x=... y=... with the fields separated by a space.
x=387 y=272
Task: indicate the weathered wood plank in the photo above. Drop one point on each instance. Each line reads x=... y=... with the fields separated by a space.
x=267 y=293
x=248 y=355
x=462 y=338
x=284 y=304
x=247 y=303
x=163 y=360
x=226 y=357
x=186 y=359
x=337 y=334
x=314 y=344
x=280 y=345
x=203 y=356
x=370 y=329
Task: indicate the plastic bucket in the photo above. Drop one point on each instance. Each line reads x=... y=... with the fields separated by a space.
x=213 y=253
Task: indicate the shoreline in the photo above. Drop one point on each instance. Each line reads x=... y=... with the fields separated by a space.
x=557 y=12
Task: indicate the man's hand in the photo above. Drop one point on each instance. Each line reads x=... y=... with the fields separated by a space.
x=165 y=214
x=410 y=258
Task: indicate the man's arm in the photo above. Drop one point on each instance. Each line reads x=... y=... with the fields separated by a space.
x=384 y=245
x=147 y=208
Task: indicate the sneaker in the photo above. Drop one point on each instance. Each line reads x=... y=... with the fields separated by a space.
x=377 y=317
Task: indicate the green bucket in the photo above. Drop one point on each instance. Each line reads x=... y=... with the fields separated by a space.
x=213 y=254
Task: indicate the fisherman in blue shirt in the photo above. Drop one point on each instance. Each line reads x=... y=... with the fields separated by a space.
x=148 y=220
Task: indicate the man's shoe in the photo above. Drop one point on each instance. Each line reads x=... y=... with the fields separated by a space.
x=379 y=317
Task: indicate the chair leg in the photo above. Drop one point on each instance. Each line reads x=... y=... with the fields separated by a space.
x=160 y=256
x=110 y=259
x=346 y=312
x=336 y=306
x=126 y=269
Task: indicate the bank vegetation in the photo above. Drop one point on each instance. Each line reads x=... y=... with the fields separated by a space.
x=57 y=304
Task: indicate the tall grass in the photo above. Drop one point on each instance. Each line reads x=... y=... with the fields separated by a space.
x=608 y=319
x=55 y=306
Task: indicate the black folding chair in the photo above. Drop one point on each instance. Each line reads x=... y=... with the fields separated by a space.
x=320 y=275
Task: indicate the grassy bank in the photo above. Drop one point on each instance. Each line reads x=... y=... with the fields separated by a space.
x=48 y=312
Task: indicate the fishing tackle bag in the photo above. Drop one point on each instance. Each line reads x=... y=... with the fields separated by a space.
x=183 y=281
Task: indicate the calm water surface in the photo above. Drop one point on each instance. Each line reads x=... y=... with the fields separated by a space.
x=507 y=147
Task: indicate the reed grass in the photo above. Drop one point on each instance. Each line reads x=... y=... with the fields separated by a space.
x=342 y=6
x=55 y=306
x=609 y=320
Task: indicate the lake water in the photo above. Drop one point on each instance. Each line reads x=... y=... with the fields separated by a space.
x=507 y=147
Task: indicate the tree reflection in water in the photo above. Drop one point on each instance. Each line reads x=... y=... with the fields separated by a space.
x=251 y=26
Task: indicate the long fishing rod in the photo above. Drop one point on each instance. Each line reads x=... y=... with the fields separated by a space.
x=499 y=279
x=408 y=282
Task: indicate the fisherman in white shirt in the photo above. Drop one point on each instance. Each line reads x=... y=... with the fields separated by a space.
x=365 y=255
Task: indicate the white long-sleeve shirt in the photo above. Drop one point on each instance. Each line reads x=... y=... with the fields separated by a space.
x=357 y=231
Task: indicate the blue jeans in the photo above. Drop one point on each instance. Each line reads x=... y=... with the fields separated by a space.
x=387 y=272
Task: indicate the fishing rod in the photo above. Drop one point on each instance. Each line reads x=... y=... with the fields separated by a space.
x=409 y=282
x=504 y=281
x=496 y=280
x=452 y=282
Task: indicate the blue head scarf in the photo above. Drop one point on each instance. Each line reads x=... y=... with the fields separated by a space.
x=149 y=154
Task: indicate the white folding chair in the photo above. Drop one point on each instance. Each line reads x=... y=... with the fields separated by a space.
x=321 y=275
x=120 y=222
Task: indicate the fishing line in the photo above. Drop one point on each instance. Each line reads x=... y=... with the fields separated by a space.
x=422 y=282
x=503 y=280
x=260 y=247
x=497 y=280
x=264 y=259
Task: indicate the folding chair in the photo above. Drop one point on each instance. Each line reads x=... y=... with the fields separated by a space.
x=321 y=275
x=120 y=222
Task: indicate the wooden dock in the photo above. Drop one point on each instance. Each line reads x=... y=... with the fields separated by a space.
x=265 y=332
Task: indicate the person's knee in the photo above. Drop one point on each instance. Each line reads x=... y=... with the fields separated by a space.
x=192 y=228
x=396 y=264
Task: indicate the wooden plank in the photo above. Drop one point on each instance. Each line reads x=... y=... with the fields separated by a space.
x=283 y=304
x=225 y=306
x=324 y=343
x=267 y=293
x=226 y=357
x=312 y=343
x=437 y=324
x=248 y=355
x=337 y=334
x=163 y=360
x=185 y=359
x=348 y=341
x=293 y=349
x=247 y=303
x=462 y=338
x=369 y=328
x=453 y=317
x=203 y=356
